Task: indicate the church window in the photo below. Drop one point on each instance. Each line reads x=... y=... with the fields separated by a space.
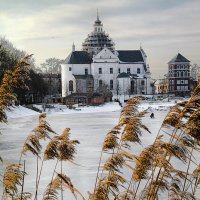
x=138 y=70
x=86 y=71
x=128 y=70
x=132 y=86
x=142 y=82
x=100 y=70
x=111 y=84
x=100 y=83
x=111 y=70
x=119 y=70
x=71 y=86
x=70 y=69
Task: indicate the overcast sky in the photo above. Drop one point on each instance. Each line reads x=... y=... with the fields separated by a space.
x=47 y=28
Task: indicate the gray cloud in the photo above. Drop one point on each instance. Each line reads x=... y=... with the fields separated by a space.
x=163 y=27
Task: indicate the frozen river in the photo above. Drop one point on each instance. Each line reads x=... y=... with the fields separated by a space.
x=89 y=128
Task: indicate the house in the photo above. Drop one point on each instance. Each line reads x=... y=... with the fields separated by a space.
x=179 y=75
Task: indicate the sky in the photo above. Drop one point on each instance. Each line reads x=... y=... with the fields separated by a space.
x=48 y=28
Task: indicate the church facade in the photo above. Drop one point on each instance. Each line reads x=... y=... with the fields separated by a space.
x=99 y=67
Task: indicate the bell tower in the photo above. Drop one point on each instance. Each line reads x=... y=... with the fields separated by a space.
x=98 y=26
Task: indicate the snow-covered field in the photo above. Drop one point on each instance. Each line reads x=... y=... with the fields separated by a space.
x=20 y=111
x=89 y=125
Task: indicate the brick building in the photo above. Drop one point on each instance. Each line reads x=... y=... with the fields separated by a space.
x=179 y=75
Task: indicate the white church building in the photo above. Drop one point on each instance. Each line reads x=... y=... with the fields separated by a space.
x=98 y=65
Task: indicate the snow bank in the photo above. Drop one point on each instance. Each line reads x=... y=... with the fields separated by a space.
x=151 y=106
x=107 y=107
x=19 y=111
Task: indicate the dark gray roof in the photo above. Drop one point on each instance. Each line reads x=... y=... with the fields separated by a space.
x=178 y=58
x=82 y=57
x=123 y=75
x=78 y=57
x=89 y=76
x=130 y=56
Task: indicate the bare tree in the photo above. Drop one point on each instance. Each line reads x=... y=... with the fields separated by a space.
x=51 y=66
x=104 y=90
x=195 y=71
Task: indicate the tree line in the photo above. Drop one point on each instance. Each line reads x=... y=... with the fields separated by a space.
x=37 y=86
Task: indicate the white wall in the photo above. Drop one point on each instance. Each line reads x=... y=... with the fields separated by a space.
x=124 y=85
x=105 y=76
x=133 y=67
x=66 y=76
x=79 y=69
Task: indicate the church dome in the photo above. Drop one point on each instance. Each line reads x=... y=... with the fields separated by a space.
x=97 y=39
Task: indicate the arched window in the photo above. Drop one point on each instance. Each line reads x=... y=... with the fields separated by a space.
x=132 y=86
x=111 y=84
x=181 y=74
x=186 y=74
x=71 y=86
x=100 y=83
x=86 y=71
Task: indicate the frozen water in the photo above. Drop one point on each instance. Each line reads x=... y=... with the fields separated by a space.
x=88 y=127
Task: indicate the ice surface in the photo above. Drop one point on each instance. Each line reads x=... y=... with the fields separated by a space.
x=89 y=126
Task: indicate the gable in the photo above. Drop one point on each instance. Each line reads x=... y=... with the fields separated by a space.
x=105 y=54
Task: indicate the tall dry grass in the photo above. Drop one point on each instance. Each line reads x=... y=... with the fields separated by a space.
x=153 y=170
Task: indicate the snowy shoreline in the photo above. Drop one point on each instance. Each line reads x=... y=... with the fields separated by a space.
x=20 y=111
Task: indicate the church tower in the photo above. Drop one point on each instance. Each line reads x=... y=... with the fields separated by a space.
x=97 y=39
